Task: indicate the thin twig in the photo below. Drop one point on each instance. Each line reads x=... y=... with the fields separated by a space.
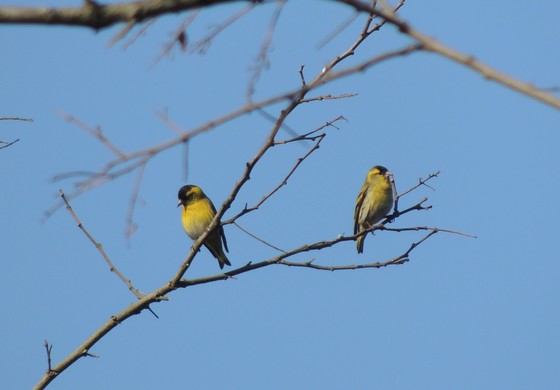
x=421 y=182
x=280 y=185
x=131 y=227
x=202 y=45
x=7 y=143
x=262 y=58
x=110 y=171
x=15 y=118
x=257 y=237
x=178 y=36
x=404 y=258
x=95 y=132
x=329 y=97
x=48 y=348
x=99 y=247
x=468 y=61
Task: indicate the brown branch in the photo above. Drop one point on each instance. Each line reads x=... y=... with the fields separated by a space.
x=329 y=97
x=160 y=294
x=262 y=58
x=178 y=36
x=97 y=133
x=140 y=157
x=404 y=258
x=97 y=16
x=99 y=247
x=421 y=182
x=364 y=34
x=280 y=185
x=470 y=62
x=306 y=248
x=131 y=227
x=15 y=118
x=202 y=45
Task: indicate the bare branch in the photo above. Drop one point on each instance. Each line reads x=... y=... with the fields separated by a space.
x=131 y=226
x=15 y=118
x=98 y=16
x=6 y=144
x=99 y=247
x=262 y=58
x=282 y=183
x=96 y=133
x=48 y=348
x=395 y=261
x=179 y=36
x=202 y=45
x=258 y=238
x=421 y=182
x=470 y=62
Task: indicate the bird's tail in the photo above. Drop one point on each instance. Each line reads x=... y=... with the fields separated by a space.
x=223 y=260
x=360 y=243
x=219 y=254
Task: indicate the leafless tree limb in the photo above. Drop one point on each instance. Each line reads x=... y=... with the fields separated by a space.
x=6 y=144
x=394 y=261
x=15 y=118
x=138 y=159
x=262 y=58
x=179 y=36
x=48 y=348
x=257 y=237
x=99 y=247
x=97 y=16
x=202 y=45
x=470 y=62
x=130 y=161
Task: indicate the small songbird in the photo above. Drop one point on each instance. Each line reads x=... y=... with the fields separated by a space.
x=198 y=213
x=374 y=202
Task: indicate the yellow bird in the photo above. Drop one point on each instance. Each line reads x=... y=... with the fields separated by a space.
x=374 y=202
x=198 y=213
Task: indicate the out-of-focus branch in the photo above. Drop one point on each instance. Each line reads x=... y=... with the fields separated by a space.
x=262 y=61
x=133 y=160
x=469 y=61
x=98 y=16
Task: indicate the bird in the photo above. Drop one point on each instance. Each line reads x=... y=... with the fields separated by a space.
x=198 y=213
x=374 y=201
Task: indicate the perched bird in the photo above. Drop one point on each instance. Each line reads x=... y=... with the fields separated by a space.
x=198 y=213
x=374 y=202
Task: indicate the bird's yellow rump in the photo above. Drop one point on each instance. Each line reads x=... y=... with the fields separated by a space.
x=198 y=213
x=374 y=202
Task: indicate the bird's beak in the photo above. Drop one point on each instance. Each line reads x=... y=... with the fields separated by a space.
x=180 y=203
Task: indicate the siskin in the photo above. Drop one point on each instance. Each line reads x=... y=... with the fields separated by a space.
x=374 y=202
x=198 y=213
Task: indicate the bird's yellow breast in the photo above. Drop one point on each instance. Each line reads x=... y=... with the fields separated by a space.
x=377 y=201
x=196 y=217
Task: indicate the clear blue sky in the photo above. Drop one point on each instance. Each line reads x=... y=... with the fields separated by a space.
x=462 y=314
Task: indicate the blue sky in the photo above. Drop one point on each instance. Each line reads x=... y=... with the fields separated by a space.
x=463 y=313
